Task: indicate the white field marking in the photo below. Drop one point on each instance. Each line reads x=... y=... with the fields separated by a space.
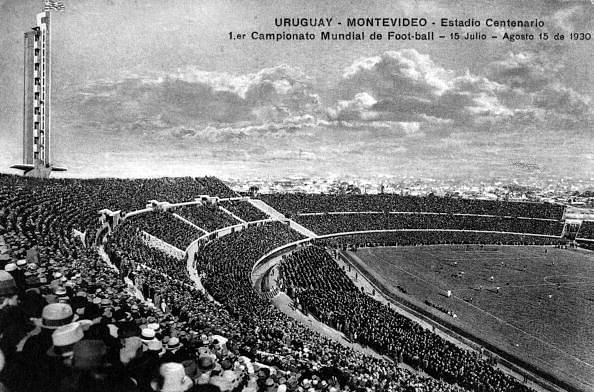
x=495 y=317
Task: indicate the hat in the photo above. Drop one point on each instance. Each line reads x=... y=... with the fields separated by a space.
x=147 y=334
x=10 y=267
x=56 y=315
x=156 y=345
x=7 y=284
x=67 y=335
x=88 y=354
x=21 y=262
x=173 y=344
x=173 y=377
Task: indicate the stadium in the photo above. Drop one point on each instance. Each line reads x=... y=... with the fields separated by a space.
x=187 y=283
x=185 y=253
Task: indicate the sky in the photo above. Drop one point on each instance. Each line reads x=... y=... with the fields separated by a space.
x=157 y=88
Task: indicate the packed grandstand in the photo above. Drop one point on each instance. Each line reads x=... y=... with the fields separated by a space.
x=96 y=308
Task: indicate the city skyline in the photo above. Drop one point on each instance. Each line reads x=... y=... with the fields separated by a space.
x=148 y=91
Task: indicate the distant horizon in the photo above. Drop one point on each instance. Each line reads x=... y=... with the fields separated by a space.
x=144 y=91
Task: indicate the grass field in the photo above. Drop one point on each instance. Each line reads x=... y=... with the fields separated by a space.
x=543 y=312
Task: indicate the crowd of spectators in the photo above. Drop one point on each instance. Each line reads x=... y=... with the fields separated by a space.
x=586 y=230
x=420 y=238
x=281 y=341
x=324 y=290
x=207 y=217
x=336 y=223
x=134 y=341
x=296 y=203
x=69 y=321
x=127 y=248
x=244 y=210
x=68 y=204
x=165 y=226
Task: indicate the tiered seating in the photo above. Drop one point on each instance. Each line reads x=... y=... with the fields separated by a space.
x=304 y=203
x=119 y=348
x=127 y=248
x=336 y=223
x=163 y=225
x=209 y=218
x=586 y=230
x=227 y=263
x=38 y=213
x=404 y=238
x=244 y=210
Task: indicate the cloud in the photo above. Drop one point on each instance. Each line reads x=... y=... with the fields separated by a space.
x=195 y=98
x=526 y=70
x=406 y=69
x=535 y=88
x=407 y=86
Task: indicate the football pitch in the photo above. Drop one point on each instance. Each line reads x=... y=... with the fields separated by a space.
x=534 y=302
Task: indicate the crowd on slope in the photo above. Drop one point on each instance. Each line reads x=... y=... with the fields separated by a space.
x=322 y=288
x=165 y=226
x=66 y=204
x=127 y=248
x=416 y=238
x=296 y=203
x=244 y=210
x=336 y=223
x=586 y=230
x=227 y=264
x=207 y=217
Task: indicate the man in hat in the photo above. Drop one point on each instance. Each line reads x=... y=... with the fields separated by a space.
x=19 y=274
x=8 y=290
x=14 y=323
x=34 y=366
x=88 y=370
x=173 y=347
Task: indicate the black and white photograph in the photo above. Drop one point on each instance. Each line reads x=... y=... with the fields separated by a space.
x=296 y=196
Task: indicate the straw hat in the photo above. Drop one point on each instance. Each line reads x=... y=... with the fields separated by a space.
x=173 y=378
x=56 y=315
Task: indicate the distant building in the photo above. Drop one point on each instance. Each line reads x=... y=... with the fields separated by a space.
x=37 y=101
